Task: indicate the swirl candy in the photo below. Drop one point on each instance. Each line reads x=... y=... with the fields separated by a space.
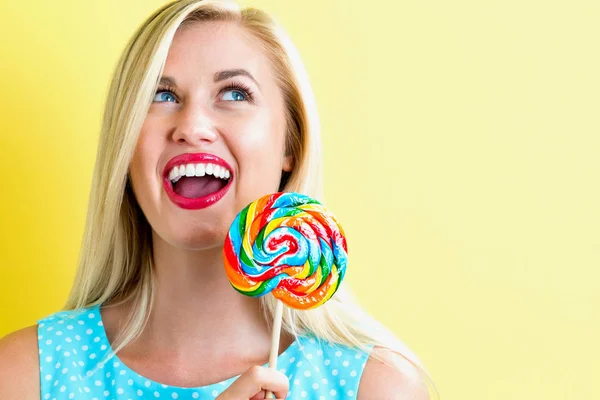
x=287 y=244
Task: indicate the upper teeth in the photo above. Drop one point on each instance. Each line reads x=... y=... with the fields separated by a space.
x=198 y=170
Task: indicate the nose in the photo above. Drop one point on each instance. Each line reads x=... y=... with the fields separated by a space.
x=194 y=125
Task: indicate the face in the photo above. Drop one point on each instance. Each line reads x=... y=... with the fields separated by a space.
x=221 y=106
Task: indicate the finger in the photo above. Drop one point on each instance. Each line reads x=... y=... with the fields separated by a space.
x=256 y=380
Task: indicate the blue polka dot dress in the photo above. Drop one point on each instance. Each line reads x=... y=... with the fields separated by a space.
x=73 y=344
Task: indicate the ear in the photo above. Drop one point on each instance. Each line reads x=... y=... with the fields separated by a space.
x=288 y=163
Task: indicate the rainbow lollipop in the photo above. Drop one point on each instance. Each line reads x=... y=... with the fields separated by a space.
x=287 y=244
x=290 y=245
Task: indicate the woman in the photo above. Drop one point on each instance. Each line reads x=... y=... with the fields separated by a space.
x=209 y=109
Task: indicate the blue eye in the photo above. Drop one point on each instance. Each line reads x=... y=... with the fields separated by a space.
x=162 y=97
x=236 y=95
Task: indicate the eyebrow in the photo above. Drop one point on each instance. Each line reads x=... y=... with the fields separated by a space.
x=219 y=76
x=230 y=73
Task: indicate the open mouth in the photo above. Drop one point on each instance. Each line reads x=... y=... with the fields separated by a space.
x=198 y=180
x=194 y=181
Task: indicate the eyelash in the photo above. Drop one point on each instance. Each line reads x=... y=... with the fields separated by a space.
x=232 y=86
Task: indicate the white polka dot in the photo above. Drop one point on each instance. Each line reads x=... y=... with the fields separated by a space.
x=98 y=383
x=357 y=356
x=122 y=372
x=299 y=363
x=57 y=366
x=90 y=315
x=334 y=372
x=80 y=322
x=96 y=339
x=58 y=333
x=50 y=329
x=350 y=392
x=321 y=397
x=63 y=388
x=120 y=390
x=303 y=393
x=106 y=393
x=353 y=373
x=89 y=331
x=195 y=395
x=296 y=382
x=292 y=360
x=80 y=363
x=73 y=378
x=214 y=393
x=48 y=359
x=342 y=382
x=326 y=362
x=103 y=347
x=147 y=383
x=58 y=347
x=315 y=386
x=130 y=382
x=174 y=395
x=139 y=392
x=319 y=352
x=49 y=341
x=48 y=377
x=77 y=337
x=324 y=381
x=71 y=395
x=100 y=323
x=333 y=392
x=312 y=341
x=67 y=354
x=68 y=340
x=93 y=355
x=69 y=327
x=64 y=370
x=108 y=374
x=116 y=364
x=86 y=389
x=309 y=356
x=307 y=373
x=338 y=353
x=345 y=363
x=156 y=394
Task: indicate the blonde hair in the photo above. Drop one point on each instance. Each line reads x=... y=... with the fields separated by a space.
x=115 y=260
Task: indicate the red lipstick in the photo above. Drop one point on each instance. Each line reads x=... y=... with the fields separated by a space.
x=195 y=158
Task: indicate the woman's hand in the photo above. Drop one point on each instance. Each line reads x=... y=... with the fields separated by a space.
x=253 y=383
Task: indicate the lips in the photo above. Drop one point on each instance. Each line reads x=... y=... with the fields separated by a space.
x=200 y=202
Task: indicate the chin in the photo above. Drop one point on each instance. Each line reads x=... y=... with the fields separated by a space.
x=195 y=238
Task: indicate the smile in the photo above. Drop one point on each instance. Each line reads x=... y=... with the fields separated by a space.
x=196 y=180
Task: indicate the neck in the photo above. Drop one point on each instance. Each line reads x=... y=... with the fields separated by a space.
x=197 y=314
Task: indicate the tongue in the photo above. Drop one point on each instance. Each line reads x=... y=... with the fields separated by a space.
x=199 y=186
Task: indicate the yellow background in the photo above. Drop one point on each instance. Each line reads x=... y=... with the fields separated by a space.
x=461 y=145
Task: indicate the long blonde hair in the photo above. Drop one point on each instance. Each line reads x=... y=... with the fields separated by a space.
x=115 y=260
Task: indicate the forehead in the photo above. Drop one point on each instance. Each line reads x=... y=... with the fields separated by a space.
x=203 y=48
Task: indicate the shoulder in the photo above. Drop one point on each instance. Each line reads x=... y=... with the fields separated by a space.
x=381 y=381
x=19 y=365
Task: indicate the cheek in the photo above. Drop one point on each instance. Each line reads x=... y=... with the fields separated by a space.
x=261 y=133
x=144 y=158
